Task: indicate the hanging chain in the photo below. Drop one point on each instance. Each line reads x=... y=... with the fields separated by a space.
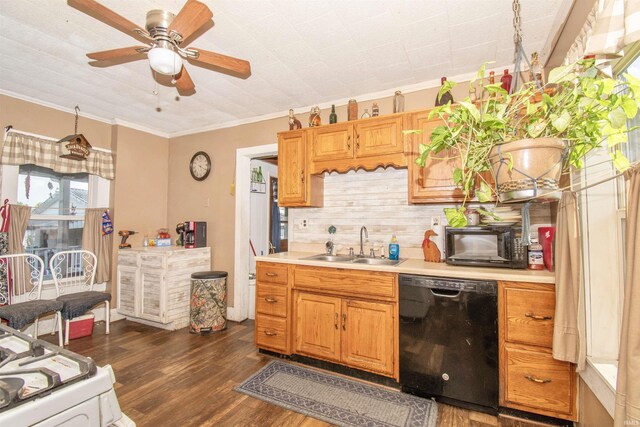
x=75 y=131
x=517 y=31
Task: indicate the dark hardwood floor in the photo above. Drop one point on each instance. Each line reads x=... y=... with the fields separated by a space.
x=179 y=379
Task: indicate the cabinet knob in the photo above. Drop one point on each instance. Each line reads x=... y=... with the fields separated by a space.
x=271 y=300
x=270 y=333
x=537 y=380
x=534 y=317
x=302 y=176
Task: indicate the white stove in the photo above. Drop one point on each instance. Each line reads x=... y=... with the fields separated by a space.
x=42 y=384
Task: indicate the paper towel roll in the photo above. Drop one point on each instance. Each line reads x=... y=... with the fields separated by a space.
x=439 y=239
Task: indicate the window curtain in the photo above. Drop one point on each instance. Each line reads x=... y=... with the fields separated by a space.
x=275 y=225
x=569 y=337
x=627 y=410
x=18 y=220
x=21 y=149
x=617 y=25
x=94 y=241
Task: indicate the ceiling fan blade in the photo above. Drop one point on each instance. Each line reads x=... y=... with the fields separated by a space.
x=191 y=17
x=222 y=63
x=109 y=17
x=184 y=84
x=122 y=52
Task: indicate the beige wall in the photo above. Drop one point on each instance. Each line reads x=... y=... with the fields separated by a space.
x=592 y=413
x=138 y=199
x=141 y=185
x=187 y=198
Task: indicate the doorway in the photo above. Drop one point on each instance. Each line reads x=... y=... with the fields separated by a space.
x=241 y=300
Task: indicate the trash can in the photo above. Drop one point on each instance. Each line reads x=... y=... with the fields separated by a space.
x=208 y=302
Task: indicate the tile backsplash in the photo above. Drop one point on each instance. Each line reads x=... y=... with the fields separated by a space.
x=377 y=200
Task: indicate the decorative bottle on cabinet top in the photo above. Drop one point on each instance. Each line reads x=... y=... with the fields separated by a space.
x=506 y=81
x=333 y=117
x=314 y=117
x=398 y=102
x=375 y=110
x=293 y=122
x=352 y=110
x=446 y=97
x=366 y=114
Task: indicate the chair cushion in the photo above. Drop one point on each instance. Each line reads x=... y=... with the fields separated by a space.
x=21 y=314
x=79 y=303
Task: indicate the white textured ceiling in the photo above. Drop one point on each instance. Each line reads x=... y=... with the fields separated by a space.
x=302 y=53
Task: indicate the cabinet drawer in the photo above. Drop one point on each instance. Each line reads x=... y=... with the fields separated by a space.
x=271 y=332
x=272 y=273
x=529 y=315
x=346 y=282
x=538 y=381
x=271 y=300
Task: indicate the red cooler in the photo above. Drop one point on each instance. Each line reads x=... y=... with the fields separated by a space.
x=545 y=237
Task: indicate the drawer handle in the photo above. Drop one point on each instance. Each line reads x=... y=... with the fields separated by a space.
x=270 y=300
x=270 y=333
x=534 y=317
x=270 y=274
x=536 y=380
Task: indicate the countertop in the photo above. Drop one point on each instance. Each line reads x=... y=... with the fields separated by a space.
x=419 y=266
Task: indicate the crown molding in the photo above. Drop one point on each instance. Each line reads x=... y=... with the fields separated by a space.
x=428 y=84
x=115 y=121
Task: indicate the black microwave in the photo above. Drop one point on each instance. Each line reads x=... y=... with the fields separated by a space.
x=490 y=246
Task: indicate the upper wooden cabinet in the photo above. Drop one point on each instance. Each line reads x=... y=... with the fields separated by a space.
x=434 y=182
x=361 y=144
x=296 y=186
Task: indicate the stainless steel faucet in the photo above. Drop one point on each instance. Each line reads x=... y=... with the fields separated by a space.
x=366 y=233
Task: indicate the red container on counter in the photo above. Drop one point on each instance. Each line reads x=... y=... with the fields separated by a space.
x=545 y=237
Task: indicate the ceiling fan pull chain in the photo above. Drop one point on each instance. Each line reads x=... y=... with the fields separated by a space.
x=75 y=131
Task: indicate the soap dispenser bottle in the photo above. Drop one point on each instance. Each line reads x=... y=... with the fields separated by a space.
x=394 y=248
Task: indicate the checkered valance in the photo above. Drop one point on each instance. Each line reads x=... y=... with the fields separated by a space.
x=617 y=25
x=21 y=149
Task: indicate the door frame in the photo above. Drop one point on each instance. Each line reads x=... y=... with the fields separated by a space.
x=240 y=309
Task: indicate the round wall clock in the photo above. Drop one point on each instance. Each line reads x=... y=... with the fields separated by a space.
x=200 y=166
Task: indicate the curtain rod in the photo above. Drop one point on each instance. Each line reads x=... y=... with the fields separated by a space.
x=10 y=128
x=633 y=166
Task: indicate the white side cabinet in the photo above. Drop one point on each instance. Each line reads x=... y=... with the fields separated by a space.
x=154 y=283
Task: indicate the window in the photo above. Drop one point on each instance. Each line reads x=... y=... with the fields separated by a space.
x=58 y=202
x=603 y=227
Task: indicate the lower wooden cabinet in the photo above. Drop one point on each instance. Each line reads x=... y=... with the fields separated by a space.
x=272 y=329
x=317 y=329
x=367 y=340
x=530 y=378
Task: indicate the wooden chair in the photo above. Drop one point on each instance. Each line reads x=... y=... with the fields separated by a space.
x=73 y=274
x=21 y=276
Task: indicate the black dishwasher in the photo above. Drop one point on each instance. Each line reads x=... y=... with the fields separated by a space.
x=449 y=340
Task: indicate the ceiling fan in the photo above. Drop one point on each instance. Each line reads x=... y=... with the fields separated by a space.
x=166 y=36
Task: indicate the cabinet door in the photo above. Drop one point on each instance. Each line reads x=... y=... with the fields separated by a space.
x=317 y=326
x=292 y=177
x=379 y=137
x=152 y=296
x=127 y=282
x=332 y=142
x=434 y=182
x=368 y=335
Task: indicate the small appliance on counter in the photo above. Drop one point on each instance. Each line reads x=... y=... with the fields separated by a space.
x=489 y=246
x=195 y=234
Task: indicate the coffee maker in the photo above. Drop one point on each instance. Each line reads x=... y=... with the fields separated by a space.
x=195 y=234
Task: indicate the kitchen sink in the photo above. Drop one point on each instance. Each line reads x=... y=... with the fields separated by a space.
x=353 y=259
x=378 y=261
x=330 y=258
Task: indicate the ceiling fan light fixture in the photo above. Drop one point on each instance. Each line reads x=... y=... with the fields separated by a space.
x=165 y=61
